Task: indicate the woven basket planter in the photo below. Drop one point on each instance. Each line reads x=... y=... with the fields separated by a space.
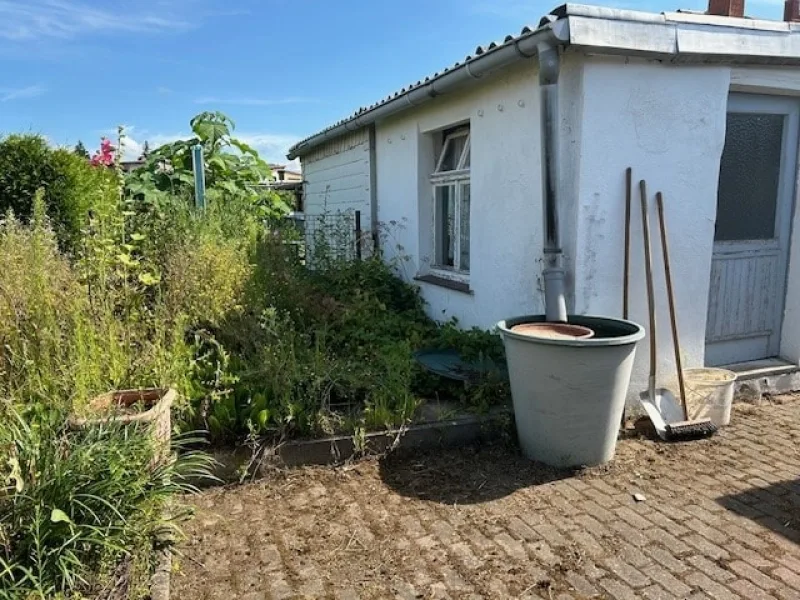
x=149 y=406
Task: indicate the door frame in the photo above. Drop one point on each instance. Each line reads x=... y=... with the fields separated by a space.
x=784 y=211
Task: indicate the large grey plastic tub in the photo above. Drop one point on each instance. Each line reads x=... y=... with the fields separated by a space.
x=569 y=394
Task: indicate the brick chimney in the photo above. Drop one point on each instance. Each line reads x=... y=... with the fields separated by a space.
x=730 y=8
x=791 y=10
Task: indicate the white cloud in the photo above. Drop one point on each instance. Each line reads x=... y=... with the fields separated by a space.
x=38 y=19
x=31 y=91
x=133 y=144
x=254 y=101
x=272 y=147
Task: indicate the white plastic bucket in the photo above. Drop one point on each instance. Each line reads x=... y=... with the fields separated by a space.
x=709 y=394
x=569 y=392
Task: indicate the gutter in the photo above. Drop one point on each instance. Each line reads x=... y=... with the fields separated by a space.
x=495 y=58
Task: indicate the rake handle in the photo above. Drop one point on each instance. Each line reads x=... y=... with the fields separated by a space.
x=627 y=266
x=648 y=268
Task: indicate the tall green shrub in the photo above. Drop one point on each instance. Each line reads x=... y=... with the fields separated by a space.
x=72 y=187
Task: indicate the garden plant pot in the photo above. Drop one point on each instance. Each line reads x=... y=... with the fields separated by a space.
x=569 y=391
x=148 y=406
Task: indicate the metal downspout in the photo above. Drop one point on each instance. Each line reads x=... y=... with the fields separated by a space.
x=553 y=274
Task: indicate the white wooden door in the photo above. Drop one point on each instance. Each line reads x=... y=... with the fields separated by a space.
x=751 y=239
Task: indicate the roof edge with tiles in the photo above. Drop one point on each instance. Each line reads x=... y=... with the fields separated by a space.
x=485 y=60
x=675 y=36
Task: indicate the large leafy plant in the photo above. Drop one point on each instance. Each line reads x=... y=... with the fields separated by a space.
x=232 y=167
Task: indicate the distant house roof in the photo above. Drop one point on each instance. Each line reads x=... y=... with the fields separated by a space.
x=277 y=167
x=131 y=165
x=607 y=30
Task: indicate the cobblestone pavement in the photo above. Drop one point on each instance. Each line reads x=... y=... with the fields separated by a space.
x=721 y=520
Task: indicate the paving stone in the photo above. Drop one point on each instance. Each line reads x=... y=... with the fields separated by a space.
x=747 y=589
x=667 y=559
x=753 y=574
x=581 y=584
x=630 y=575
x=660 y=575
x=618 y=590
x=716 y=532
x=710 y=587
x=790 y=577
x=656 y=592
x=711 y=568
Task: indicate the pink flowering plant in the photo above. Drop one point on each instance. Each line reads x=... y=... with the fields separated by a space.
x=106 y=155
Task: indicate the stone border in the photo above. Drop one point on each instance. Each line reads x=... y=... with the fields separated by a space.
x=160 y=580
x=458 y=431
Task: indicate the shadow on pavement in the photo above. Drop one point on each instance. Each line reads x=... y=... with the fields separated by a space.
x=467 y=475
x=776 y=507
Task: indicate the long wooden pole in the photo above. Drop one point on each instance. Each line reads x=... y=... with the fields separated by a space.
x=671 y=297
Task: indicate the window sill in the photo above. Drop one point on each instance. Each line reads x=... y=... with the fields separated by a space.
x=456 y=286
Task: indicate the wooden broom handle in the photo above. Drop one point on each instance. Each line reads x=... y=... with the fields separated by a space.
x=671 y=297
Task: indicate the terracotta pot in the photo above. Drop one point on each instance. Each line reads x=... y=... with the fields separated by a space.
x=554 y=331
x=148 y=406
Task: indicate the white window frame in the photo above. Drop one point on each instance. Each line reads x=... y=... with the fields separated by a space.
x=455 y=178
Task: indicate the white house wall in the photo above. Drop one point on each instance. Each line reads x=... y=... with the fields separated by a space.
x=506 y=217
x=668 y=124
x=336 y=176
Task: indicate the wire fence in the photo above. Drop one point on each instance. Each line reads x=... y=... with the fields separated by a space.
x=332 y=236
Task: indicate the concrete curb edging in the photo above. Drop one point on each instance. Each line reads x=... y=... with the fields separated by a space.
x=331 y=450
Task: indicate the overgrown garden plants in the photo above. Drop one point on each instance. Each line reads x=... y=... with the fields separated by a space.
x=115 y=281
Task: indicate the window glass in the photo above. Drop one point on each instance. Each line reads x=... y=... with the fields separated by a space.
x=445 y=225
x=749 y=175
x=451 y=153
x=464 y=228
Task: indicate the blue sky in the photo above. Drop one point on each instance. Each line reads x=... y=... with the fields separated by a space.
x=71 y=69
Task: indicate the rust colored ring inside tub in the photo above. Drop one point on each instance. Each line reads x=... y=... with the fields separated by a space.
x=554 y=331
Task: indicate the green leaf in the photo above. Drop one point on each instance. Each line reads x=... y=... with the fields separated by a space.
x=59 y=516
x=214 y=424
x=127 y=260
x=148 y=279
x=244 y=148
x=137 y=237
x=263 y=417
x=211 y=127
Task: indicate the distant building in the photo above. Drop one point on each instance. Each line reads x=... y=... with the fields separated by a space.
x=131 y=165
x=283 y=174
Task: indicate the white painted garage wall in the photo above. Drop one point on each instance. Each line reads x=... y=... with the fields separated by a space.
x=668 y=123
x=336 y=176
x=506 y=219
